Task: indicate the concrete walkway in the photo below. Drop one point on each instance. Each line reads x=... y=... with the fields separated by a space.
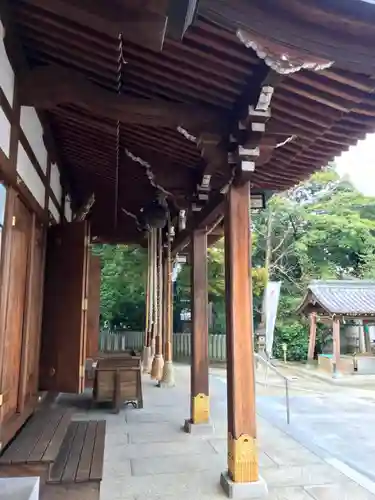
x=148 y=457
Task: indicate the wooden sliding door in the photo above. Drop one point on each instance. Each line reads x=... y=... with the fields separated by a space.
x=19 y=241
x=65 y=309
x=32 y=324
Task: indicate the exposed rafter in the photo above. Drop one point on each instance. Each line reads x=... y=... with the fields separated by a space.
x=181 y=15
x=49 y=87
x=137 y=24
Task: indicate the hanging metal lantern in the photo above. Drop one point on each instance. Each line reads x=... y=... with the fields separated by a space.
x=156 y=215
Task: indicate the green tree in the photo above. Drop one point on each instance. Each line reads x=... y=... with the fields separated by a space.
x=124 y=275
x=322 y=229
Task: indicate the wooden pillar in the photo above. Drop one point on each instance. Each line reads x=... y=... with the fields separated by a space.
x=312 y=337
x=366 y=334
x=336 y=343
x=200 y=404
x=242 y=445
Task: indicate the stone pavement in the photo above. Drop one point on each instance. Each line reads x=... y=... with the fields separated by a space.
x=148 y=457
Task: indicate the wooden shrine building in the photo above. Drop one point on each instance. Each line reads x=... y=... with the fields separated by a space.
x=335 y=302
x=117 y=117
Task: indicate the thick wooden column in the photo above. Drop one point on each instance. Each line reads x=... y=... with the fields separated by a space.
x=200 y=403
x=242 y=446
x=336 y=343
x=312 y=337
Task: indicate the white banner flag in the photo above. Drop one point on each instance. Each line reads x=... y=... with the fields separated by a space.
x=271 y=302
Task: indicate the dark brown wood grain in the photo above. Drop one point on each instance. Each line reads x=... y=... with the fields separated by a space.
x=64 y=317
x=34 y=313
x=118 y=380
x=199 y=315
x=144 y=27
x=51 y=86
x=210 y=71
x=39 y=440
x=239 y=314
x=57 y=469
x=69 y=474
x=55 y=444
x=49 y=429
x=20 y=231
x=93 y=311
x=96 y=472
x=27 y=340
x=84 y=466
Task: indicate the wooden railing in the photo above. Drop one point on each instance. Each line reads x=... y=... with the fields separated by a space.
x=119 y=341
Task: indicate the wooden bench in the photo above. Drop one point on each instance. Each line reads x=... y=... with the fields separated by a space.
x=117 y=354
x=35 y=448
x=77 y=472
x=118 y=380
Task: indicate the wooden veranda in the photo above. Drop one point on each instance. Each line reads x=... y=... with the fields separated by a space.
x=163 y=121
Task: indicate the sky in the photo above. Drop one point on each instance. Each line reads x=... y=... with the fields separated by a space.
x=359 y=164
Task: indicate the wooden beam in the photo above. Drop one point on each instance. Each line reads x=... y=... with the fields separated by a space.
x=138 y=25
x=181 y=15
x=199 y=412
x=206 y=217
x=48 y=87
x=336 y=343
x=242 y=446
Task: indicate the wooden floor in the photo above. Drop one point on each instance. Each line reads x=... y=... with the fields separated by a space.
x=66 y=455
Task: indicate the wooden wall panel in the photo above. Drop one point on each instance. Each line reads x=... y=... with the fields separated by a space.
x=93 y=309
x=64 y=316
x=32 y=324
x=13 y=334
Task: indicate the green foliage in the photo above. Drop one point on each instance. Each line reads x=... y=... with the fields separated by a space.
x=295 y=335
x=321 y=229
x=124 y=274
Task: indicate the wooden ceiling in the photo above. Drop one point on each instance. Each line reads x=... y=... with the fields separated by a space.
x=116 y=85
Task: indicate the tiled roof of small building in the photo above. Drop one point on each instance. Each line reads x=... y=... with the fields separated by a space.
x=345 y=297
